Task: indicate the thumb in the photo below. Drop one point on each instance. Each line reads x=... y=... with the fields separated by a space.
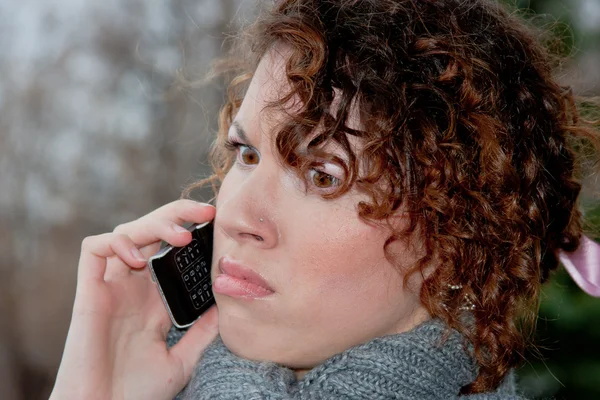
x=191 y=346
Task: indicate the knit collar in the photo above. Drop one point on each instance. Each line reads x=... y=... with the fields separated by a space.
x=416 y=364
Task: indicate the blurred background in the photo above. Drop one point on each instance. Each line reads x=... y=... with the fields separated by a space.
x=95 y=131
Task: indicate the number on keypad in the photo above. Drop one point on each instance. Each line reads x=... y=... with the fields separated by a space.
x=187 y=255
x=195 y=272
x=202 y=294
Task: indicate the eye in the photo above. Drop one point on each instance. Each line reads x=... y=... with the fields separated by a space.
x=246 y=155
x=323 y=180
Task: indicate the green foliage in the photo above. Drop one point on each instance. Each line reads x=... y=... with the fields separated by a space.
x=566 y=363
x=568 y=338
x=554 y=22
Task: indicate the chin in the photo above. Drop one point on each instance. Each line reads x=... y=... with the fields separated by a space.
x=241 y=332
x=246 y=340
x=261 y=344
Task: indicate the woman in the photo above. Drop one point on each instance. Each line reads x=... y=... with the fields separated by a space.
x=400 y=174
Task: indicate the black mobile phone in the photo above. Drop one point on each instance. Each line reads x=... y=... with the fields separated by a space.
x=182 y=275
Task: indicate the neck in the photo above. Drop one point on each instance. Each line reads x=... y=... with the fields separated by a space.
x=417 y=317
x=300 y=373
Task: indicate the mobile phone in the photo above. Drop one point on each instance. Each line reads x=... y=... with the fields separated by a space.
x=182 y=275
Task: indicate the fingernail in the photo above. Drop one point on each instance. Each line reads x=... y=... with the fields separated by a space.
x=179 y=228
x=137 y=254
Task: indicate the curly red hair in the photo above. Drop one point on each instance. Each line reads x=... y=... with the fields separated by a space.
x=464 y=126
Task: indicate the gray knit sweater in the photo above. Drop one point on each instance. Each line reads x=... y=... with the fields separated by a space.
x=410 y=365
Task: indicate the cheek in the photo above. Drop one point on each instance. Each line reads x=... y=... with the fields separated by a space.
x=230 y=181
x=349 y=259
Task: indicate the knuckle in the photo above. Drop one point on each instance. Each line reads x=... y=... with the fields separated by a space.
x=122 y=238
x=85 y=243
x=89 y=241
x=121 y=228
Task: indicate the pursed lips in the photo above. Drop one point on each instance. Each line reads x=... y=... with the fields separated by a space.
x=237 y=270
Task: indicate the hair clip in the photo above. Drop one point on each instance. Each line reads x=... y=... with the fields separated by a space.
x=583 y=265
x=467 y=305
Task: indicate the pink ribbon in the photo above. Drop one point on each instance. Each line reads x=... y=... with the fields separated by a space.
x=584 y=265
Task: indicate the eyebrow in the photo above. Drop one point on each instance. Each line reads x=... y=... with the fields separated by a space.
x=240 y=131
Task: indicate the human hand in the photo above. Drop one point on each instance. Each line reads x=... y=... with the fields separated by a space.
x=116 y=348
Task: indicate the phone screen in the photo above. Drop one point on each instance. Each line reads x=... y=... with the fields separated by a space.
x=182 y=275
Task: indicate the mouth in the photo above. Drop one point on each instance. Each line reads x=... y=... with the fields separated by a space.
x=238 y=280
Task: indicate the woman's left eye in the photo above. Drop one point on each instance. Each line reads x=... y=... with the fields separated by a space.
x=246 y=155
x=323 y=180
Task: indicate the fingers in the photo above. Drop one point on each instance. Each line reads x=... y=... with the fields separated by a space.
x=165 y=222
x=191 y=346
x=162 y=224
x=96 y=249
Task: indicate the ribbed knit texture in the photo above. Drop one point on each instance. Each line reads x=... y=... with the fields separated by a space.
x=410 y=365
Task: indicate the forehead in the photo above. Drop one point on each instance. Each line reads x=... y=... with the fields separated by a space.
x=269 y=83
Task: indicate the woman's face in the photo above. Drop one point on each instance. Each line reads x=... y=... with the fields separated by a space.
x=332 y=287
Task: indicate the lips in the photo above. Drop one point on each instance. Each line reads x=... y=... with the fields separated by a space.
x=237 y=280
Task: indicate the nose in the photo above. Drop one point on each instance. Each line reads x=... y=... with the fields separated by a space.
x=246 y=207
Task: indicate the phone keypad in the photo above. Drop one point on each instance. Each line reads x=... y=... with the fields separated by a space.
x=201 y=294
x=195 y=272
x=187 y=255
